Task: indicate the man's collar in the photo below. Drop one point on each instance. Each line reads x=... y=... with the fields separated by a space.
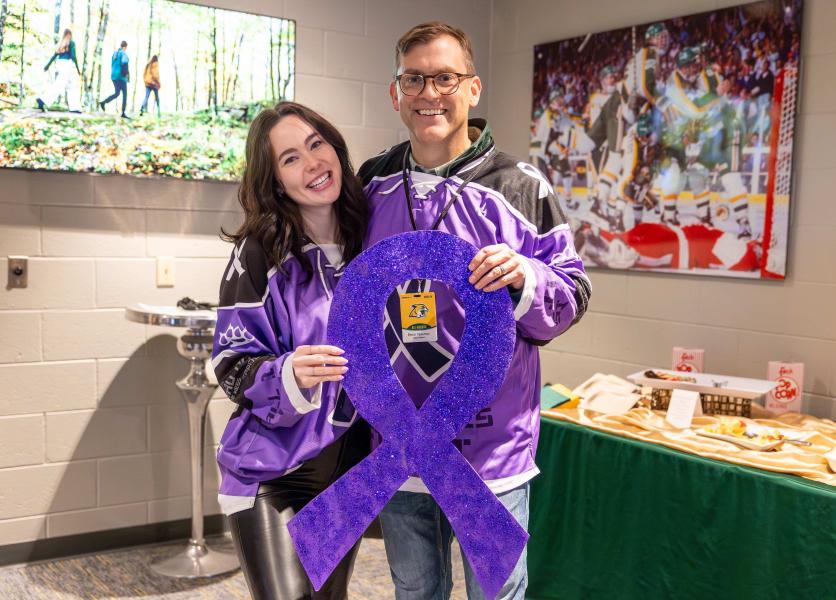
x=480 y=136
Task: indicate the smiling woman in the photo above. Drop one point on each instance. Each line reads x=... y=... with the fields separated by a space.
x=295 y=432
x=290 y=148
x=310 y=171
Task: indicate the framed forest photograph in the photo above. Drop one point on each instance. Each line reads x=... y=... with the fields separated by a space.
x=139 y=87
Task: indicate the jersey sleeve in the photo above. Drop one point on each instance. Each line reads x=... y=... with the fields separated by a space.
x=557 y=290
x=251 y=353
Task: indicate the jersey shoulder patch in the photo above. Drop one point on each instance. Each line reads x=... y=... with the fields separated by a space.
x=245 y=278
x=544 y=187
x=387 y=162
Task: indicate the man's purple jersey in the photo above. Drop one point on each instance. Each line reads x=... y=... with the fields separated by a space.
x=265 y=312
x=506 y=202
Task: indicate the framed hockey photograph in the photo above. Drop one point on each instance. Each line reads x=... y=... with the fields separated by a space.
x=670 y=144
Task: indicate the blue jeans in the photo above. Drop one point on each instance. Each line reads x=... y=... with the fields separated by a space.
x=148 y=91
x=119 y=87
x=418 y=537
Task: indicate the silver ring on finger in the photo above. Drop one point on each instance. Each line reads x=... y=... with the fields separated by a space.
x=501 y=270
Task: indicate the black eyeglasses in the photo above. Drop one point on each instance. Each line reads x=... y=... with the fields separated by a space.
x=412 y=84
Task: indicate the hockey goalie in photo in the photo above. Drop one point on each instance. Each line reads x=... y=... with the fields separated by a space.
x=669 y=144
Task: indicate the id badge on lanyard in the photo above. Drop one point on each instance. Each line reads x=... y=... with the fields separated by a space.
x=419 y=321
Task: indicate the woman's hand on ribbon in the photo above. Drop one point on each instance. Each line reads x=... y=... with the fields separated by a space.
x=313 y=365
x=496 y=266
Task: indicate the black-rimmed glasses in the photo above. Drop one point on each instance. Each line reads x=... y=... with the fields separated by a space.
x=412 y=84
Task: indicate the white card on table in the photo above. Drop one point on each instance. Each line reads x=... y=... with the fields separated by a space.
x=683 y=408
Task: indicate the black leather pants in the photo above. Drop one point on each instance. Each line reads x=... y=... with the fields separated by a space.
x=263 y=544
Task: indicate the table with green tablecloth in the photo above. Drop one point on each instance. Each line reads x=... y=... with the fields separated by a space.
x=613 y=517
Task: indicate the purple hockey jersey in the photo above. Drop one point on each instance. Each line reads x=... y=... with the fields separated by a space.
x=506 y=202
x=264 y=313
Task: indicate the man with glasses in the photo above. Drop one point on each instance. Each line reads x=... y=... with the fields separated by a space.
x=449 y=176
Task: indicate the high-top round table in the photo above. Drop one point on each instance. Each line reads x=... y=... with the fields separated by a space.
x=196 y=559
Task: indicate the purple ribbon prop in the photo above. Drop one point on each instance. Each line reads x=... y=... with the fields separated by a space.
x=415 y=441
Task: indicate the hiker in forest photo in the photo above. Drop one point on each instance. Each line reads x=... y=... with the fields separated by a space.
x=151 y=77
x=67 y=76
x=120 y=76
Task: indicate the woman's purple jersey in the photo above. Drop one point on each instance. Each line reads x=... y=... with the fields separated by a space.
x=265 y=312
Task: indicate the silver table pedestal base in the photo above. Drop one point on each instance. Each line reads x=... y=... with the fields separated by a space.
x=196 y=559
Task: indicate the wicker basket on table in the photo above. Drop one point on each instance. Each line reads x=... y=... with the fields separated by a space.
x=712 y=404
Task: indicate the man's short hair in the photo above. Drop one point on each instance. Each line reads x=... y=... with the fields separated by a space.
x=427 y=32
x=124 y=44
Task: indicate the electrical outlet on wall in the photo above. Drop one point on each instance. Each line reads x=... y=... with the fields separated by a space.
x=165 y=271
x=18 y=272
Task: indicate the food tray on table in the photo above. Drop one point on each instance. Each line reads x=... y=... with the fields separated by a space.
x=719 y=394
x=753 y=436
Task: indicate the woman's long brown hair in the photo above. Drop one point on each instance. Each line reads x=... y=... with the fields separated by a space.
x=271 y=216
x=64 y=44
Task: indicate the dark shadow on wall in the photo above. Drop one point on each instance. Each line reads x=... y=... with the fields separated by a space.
x=127 y=481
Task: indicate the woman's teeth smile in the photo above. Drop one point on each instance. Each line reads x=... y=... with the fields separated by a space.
x=320 y=182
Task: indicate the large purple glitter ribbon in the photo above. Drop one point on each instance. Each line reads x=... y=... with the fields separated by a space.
x=415 y=441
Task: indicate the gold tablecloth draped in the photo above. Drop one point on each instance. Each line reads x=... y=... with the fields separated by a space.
x=641 y=423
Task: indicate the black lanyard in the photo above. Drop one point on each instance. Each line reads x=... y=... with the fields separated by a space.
x=407 y=190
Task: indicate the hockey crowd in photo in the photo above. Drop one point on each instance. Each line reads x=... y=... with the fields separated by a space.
x=656 y=138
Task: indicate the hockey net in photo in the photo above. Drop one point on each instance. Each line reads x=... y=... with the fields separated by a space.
x=779 y=181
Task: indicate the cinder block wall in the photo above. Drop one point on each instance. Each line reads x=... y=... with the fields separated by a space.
x=636 y=318
x=93 y=432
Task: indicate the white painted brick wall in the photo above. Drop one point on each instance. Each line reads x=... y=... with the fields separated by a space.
x=377 y=107
x=90 y=334
x=189 y=233
x=635 y=318
x=53 y=283
x=339 y=100
x=95 y=433
x=59 y=189
x=310 y=56
x=168 y=194
x=140 y=380
x=143 y=477
x=342 y=50
x=21 y=336
x=21 y=441
x=119 y=282
x=97 y=519
x=32 y=388
x=170 y=509
x=29 y=491
x=20 y=229
x=13 y=531
x=93 y=243
x=77 y=231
